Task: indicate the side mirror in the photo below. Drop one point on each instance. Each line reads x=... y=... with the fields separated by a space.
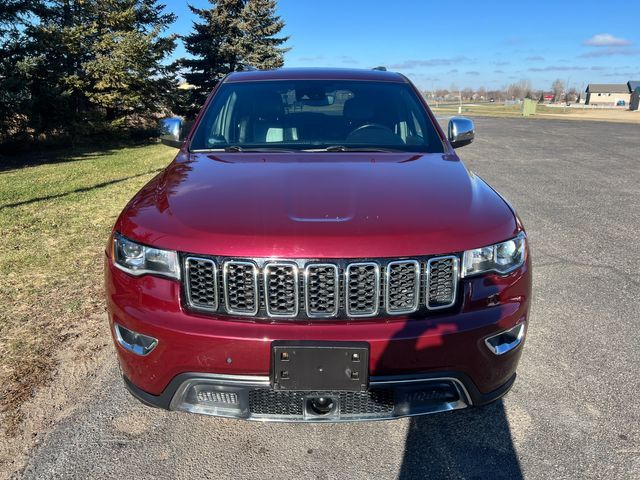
x=173 y=131
x=461 y=132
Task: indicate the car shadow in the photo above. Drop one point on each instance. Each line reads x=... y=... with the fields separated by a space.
x=473 y=443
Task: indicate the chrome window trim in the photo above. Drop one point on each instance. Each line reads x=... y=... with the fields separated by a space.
x=265 y=274
x=225 y=284
x=416 y=283
x=456 y=280
x=336 y=290
x=187 y=284
x=377 y=289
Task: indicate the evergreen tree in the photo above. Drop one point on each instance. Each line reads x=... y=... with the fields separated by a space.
x=126 y=74
x=14 y=94
x=97 y=64
x=261 y=48
x=230 y=36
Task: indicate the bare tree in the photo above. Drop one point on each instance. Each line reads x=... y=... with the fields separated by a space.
x=557 y=87
x=519 y=90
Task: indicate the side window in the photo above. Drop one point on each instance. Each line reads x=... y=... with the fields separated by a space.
x=221 y=130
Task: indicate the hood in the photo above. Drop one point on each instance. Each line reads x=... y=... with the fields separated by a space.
x=317 y=205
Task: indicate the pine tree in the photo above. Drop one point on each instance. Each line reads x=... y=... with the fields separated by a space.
x=14 y=71
x=230 y=36
x=126 y=75
x=260 y=24
x=98 y=64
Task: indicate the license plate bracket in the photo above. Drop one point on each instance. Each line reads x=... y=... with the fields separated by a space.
x=320 y=366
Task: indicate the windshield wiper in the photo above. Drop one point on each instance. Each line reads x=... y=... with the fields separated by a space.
x=238 y=148
x=342 y=148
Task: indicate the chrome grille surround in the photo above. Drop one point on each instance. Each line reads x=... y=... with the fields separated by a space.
x=243 y=296
x=202 y=284
x=362 y=287
x=281 y=289
x=316 y=281
x=323 y=288
x=397 y=300
x=442 y=282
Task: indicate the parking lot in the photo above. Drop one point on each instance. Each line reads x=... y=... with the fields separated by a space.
x=571 y=414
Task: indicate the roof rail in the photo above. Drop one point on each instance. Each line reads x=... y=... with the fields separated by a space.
x=380 y=68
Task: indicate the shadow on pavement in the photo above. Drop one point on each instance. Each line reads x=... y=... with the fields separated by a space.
x=470 y=444
x=473 y=443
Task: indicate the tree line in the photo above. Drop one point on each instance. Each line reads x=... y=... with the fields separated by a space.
x=514 y=91
x=72 y=69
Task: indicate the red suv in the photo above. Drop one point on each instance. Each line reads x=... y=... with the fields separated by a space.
x=318 y=252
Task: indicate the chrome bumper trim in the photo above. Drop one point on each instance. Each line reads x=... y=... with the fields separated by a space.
x=507 y=340
x=136 y=343
x=238 y=388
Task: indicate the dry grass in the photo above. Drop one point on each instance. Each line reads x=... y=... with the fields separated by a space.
x=542 y=111
x=55 y=217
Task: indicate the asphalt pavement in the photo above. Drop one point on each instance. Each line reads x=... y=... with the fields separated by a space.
x=573 y=412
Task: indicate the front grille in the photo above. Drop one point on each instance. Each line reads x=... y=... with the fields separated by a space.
x=281 y=289
x=403 y=286
x=241 y=287
x=322 y=286
x=306 y=289
x=203 y=283
x=362 y=289
x=442 y=282
x=263 y=401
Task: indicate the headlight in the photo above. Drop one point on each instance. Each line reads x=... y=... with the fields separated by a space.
x=502 y=257
x=137 y=259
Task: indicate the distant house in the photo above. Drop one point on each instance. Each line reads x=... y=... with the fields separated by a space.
x=608 y=94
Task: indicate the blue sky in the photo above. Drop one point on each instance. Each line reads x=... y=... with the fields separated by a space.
x=491 y=44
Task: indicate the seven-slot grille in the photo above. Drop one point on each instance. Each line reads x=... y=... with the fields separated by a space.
x=310 y=289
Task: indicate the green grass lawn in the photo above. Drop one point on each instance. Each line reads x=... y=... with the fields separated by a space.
x=55 y=218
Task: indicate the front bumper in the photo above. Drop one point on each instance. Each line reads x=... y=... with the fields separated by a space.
x=252 y=398
x=449 y=345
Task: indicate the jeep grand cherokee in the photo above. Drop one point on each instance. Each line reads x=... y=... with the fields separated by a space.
x=318 y=252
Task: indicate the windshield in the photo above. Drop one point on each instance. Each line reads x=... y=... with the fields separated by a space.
x=316 y=115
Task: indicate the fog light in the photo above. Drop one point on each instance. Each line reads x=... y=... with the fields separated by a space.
x=221 y=398
x=506 y=341
x=134 y=342
x=201 y=397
